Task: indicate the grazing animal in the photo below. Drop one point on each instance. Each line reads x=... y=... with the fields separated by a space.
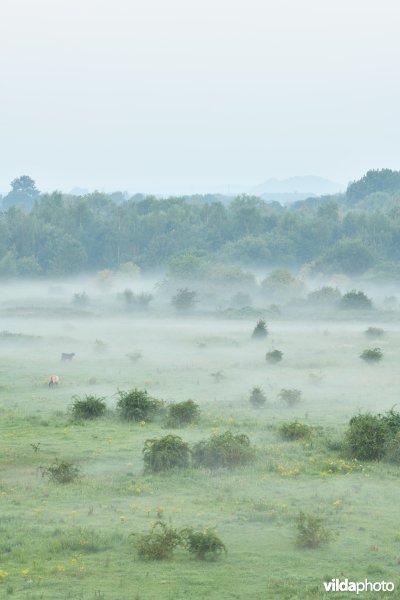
x=67 y=355
x=54 y=380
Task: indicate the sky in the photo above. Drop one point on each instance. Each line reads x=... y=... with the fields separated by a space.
x=186 y=96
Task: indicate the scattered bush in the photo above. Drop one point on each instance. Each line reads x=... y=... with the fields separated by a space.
x=203 y=544
x=137 y=405
x=274 y=357
x=257 y=397
x=159 y=544
x=325 y=296
x=374 y=332
x=372 y=355
x=367 y=436
x=392 y=450
x=355 y=301
x=181 y=414
x=295 y=430
x=134 y=356
x=61 y=471
x=223 y=450
x=290 y=397
x=89 y=407
x=184 y=299
x=168 y=452
x=260 y=331
x=311 y=531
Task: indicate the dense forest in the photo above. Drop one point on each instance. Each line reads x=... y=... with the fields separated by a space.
x=57 y=234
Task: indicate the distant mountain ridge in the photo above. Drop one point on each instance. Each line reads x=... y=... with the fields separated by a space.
x=304 y=186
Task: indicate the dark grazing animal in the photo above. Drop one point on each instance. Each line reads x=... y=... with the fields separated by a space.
x=67 y=355
x=54 y=380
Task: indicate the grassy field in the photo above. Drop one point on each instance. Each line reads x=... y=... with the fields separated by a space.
x=76 y=542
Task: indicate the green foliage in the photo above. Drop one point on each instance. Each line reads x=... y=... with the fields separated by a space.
x=203 y=544
x=325 y=296
x=312 y=531
x=372 y=355
x=168 y=452
x=184 y=299
x=159 y=543
x=137 y=405
x=137 y=301
x=181 y=414
x=348 y=256
x=355 y=301
x=367 y=436
x=374 y=332
x=295 y=430
x=378 y=180
x=223 y=450
x=61 y=471
x=274 y=357
x=257 y=397
x=260 y=330
x=392 y=450
x=88 y=407
x=290 y=397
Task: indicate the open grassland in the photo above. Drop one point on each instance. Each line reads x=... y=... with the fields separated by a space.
x=76 y=541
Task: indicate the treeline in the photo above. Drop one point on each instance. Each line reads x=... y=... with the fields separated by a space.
x=58 y=234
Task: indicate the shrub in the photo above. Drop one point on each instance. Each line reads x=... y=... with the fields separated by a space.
x=223 y=450
x=325 y=295
x=392 y=450
x=290 y=397
x=367 y=436
x=311 y=531
x=61 y=471
x=80 y=299
x=260 y=330
x=168 y=452
x=274 y=357
x=203 y=544
x=159 y=543
x=184 y=299
x=89 y=407
x=374 y=332
x=181 y=414
x=392 y=421
x=355 y=301
x=372 y=355
x=295 y=430
x=257 y=397
x=137 y=405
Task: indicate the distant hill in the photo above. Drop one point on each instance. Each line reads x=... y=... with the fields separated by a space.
x=296 y=188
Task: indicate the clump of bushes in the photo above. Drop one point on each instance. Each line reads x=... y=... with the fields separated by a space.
x=137 y=405
x=290 y=397
x=355 y=300
x=325 y=296
x=168 y=452
x=203 y=544
x=159 y=543
x=223 y=450
x=372 y=355
x=373 y=437
x=312 y=531
x=260 y=331
x=257 y=397
x=374 y=332
x=274 y=357
x=184 y=299
x=88 y=407
x=295 y=430
x=181 y=414
x=61 y=471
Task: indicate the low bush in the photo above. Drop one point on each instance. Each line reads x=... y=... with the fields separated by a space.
x=159 y=543
x=257 y=397
x=392 y=450
x=203 y=544
x=374 y=332
x=168 y=452
x=367 y=436
x=260 y=331
x=311 y=531
x=295 y=430
x=137 y=405
x=274 y=357
x=290 y=397
x=61 y=471
x=372 y=355
x=88 y=407
x=181 y=414
x=223 y=450
x=355 y=300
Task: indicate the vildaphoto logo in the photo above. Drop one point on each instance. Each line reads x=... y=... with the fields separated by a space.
x=344 y=585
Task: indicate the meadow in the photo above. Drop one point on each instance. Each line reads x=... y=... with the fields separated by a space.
x=76 y=541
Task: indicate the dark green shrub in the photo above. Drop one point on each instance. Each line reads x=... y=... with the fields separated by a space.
x=88 y=407
x=159 y=543
x=311 y=531
x=324 y=296
x=374 y=332
x=372 y=355
x=355 y=301
x=257 y=397
x=367 y=436
x=290 y=397
x=181 y=414
x=168 y=452
x=274 y=357
x=223 y=450
x=392 y=450
x=295 y=430
x=184 y=299
x=203 y=544
x=61 y=471
x=137 y=405
x=392 y=421
x=260 y=331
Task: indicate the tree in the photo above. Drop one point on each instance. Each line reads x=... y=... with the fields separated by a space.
x=23 y=193
x=184 y=299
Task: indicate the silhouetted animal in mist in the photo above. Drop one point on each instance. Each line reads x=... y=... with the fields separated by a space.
x=67 y=355
x=54 y=380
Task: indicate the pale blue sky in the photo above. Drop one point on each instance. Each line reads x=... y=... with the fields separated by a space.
x=196 y=95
